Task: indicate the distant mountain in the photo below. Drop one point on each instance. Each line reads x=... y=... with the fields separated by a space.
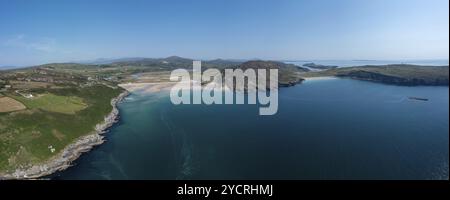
x=173 y=62
x=5 y=67
x=101 y=61
x=169 y=62
x=222 y=61
x=176 y=59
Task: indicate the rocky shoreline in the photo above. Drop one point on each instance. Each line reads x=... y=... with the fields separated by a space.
x=70 y=153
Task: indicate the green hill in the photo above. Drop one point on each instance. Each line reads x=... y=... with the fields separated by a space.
x=410 y=75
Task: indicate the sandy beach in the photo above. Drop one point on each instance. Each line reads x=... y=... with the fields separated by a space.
x=161 y=86
x=319 y=78
x=147 y=87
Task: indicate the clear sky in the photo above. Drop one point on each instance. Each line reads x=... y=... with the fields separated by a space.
x=35 y=32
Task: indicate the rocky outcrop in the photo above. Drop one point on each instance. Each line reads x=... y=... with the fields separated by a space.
x=70 y=153
x=291 y=83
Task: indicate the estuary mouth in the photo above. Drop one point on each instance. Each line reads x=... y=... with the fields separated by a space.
x=208 y=87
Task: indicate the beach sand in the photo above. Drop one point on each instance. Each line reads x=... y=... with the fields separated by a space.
x=147 y=87
x=161 y=86
x=319 y=78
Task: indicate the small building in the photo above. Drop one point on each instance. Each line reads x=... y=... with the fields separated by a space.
x=51 y=148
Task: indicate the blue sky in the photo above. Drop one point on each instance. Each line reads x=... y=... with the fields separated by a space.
x=35 y=32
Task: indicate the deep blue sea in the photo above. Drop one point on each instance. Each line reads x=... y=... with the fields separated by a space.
x=352 y=63
x=324 y=129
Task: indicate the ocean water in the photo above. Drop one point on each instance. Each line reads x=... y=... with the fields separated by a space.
x=352 y=63
x=324 y=129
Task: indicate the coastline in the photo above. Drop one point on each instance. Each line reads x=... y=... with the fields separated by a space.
x=147 y=87
x=73 y=151
x=316 y=78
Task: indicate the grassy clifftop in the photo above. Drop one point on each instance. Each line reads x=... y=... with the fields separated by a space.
x=34 y=135
x=410 y=75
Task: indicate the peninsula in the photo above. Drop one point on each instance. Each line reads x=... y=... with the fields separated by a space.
x=398 y=74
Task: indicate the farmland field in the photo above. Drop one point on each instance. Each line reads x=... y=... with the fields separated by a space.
x=54 y=103
x=8 y=105
x=31 y=84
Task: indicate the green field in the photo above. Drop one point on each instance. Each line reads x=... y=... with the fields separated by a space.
x=54 y=103
x=26 y=135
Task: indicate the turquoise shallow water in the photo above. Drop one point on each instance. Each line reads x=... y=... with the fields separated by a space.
x=327 y=129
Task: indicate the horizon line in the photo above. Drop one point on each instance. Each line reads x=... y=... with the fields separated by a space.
x=92 y=61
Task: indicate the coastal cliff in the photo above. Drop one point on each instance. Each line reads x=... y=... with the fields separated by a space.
x=71 y=152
